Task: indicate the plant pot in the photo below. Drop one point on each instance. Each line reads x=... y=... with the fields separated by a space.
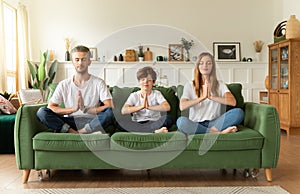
x=141 y=59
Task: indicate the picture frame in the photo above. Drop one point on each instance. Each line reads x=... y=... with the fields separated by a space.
x=93 y=52
x=175 y=52
x=227 y=51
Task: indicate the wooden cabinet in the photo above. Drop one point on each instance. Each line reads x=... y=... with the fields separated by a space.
x=284 y=81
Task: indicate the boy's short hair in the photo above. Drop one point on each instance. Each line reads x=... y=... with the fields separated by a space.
x=145 y=71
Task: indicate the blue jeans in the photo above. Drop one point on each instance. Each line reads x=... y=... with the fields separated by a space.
x=125 y=123
x=60 y=123
x=232 y=117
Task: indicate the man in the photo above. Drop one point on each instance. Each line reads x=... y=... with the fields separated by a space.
x=86 y=98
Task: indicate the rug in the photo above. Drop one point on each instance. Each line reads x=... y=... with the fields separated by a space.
x=154 y=190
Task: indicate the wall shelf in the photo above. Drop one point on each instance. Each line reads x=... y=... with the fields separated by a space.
x=250 y=74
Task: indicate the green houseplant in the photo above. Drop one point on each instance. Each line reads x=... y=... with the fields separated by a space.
x=7 y=95
x=187 y=46
x=41 y=75
x=140 y=53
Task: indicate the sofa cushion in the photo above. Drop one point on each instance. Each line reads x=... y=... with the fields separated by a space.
x=172 y=99
x=244 y=139
x=48 y=141
x=179 y=93
x=120 y=96
x=127 y=141
x=236 y=90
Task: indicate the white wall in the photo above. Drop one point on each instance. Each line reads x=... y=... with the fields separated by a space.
x=285 y=8
x=90 y=21
x=291 y=7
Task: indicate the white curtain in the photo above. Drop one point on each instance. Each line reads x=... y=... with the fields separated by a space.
x=23 y=46
x=3 y=84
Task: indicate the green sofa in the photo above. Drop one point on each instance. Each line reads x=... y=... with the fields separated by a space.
x=256 y=145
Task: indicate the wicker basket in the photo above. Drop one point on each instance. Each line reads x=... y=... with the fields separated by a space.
x=130 y=55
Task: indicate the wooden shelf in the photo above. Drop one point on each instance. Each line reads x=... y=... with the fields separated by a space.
x=263 y=97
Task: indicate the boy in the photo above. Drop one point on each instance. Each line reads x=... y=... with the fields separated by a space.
x=145 y=106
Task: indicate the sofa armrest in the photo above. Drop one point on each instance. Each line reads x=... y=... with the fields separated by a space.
x=264 y=118
x=26 y=126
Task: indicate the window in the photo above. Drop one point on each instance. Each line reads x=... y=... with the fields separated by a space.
x=10 y=38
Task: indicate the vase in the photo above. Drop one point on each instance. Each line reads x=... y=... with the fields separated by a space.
x=258 y=56
x=292 y=27
x=148 y=55
x=67 y=56
x=187 y=55
x=121 y=58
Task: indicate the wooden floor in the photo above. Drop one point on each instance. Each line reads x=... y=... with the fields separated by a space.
x=286 y=175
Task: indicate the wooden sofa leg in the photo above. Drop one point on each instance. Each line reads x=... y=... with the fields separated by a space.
x=268 y=172
x=26 y=174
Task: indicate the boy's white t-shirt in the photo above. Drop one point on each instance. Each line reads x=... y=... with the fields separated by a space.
x=93 y=93
x=135 y=99
x=207 y=109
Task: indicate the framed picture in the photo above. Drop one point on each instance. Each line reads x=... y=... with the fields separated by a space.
x=227 y=51
x=175 y=52
x=93 y=54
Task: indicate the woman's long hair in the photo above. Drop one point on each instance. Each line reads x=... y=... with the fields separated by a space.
x=198 y=80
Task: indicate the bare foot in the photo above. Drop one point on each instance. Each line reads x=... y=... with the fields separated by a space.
x=231 y=129
x=213 y=130
x=161 y=130
x=97 y=132
x=70 y=130
x=82 y=131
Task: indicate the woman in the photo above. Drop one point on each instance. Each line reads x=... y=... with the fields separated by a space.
x=204 y=97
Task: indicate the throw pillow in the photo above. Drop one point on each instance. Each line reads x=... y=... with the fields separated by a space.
x=120 y=95
x=172 y=99
x=30 y=96
x=6 y=107
x=236 y=90
x=179 y=94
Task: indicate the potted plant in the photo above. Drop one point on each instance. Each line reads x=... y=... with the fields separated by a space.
x=41 y=75
x=187 y=46
x=141 y=54
x=258 y=45
x=7 y=95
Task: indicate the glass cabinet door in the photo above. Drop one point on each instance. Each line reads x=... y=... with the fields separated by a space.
x=284 y=71
x=274 y=69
